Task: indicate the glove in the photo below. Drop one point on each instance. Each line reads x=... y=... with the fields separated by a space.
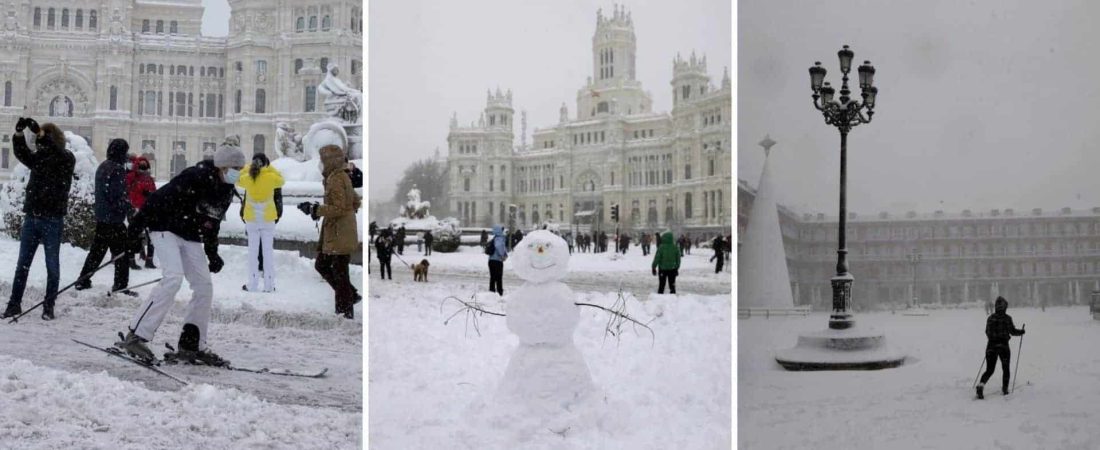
x=216 y=263
x=306 y=208
x=20 y=125
x=1022 y=332
x=33 y=125
x=654 y=271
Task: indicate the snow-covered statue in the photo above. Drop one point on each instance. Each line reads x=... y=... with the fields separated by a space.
x=414 y=208
x=288 y=143
x=342 y=101
x=547 y=372
x=86 y=162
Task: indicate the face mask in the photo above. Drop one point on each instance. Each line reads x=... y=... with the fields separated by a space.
x=232 y=176
x=129 y=166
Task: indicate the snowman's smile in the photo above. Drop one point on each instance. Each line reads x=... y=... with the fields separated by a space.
x=547 y=266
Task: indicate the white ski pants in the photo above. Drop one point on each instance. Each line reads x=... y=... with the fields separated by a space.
x=179 y=259
x=261 y=238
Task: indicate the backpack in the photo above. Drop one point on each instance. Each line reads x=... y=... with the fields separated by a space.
x=490 y=247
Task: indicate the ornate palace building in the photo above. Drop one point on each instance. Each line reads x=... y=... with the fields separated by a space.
x=1029 y=257
x=142 y=70
x=662 y=169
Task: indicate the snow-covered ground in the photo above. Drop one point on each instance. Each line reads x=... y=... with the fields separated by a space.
x=55 y=393
x=928 y=402
x=431 y=384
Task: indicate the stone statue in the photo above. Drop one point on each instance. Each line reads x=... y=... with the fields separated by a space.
x=414 y=208
x=288 y=143
x=346 y=101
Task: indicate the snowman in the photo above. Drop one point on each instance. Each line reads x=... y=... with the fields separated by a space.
x=547 y=372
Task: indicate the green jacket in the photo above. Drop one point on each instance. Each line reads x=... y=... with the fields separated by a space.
x=667 y=256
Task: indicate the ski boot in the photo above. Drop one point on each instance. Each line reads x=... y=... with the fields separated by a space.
x=189 y=350
x=134 y=345
x=47 y=312
x=11 y=311
x=980 y=388
x=125 y=291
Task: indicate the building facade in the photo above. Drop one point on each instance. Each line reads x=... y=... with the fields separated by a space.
x=1030 y=257
x=143 y=71
x=663 y=170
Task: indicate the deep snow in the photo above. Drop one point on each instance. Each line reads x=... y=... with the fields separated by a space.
x=295 y=328
x=928 y=402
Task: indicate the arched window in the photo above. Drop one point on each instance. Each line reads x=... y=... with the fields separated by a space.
x=92 y=20
x=326 y=23
x=65 y=18
x=150 y=103
x=160 y=27
x=50 y=21
x=259 y=142
x=535 y=217
x=79 y=19
x=312 y=23
x=300 y=25
x=710 y=167
x=179 y=162
x=602 y=107
x=311 y=99
x=261 y=101
x=181 y=70
x=298 y=65
x=687 y=171
x=173 y=27
x=114 y=98
x=466 y=185
x=7 y=93
x=237 y=103
x=181 y=104
x=145 y=26
x=210 y=106
x=37 y=18
x=324 y=65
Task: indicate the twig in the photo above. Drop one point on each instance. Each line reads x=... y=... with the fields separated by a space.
x=618 y=317
x=473 y=310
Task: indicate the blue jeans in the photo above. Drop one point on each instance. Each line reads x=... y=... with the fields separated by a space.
x=45 y=231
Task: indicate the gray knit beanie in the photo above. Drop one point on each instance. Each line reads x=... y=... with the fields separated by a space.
x=228 y=156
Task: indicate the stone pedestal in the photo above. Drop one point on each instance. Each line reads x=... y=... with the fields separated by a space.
x=862 y=348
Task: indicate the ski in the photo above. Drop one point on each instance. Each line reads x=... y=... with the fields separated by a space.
x=115 y=291
x=171 y=358
x=119 y=353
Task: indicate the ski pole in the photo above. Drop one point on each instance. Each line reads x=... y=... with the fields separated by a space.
x=1018 y=352
x=135 y=286
x=980 y=367
x=82 y=278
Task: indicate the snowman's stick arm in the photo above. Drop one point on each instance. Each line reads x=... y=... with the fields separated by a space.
x=620 y=315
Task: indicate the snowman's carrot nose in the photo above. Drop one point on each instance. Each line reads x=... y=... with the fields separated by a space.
x=540 y=249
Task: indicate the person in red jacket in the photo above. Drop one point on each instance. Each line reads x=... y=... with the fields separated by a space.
x=139 y=184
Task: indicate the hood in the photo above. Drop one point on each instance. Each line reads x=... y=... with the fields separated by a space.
x=667 y=239
x=1001 y=305
x=332 y=159
x=117 y=149
x=498 y=230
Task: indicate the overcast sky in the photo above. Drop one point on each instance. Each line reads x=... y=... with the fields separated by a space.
x=215 y=18
x=429 y=58
x=982 y=104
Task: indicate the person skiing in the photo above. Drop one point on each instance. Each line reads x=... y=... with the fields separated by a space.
x=428 y=240
x=339 y=238
x=183 y=219
x=47 y=201
x=112 y=207
x=999 y=329
x=719 y=245
x=139 y=184
x=261 y=209
x=496 y=260
x=384 y=249
x=666 y=263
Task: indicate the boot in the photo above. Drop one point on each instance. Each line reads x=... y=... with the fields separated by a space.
x=83 y=284
x=189 y=349
x=1004 y=389
x=149 y=264
x=134 y=265
x=47 y=312
x=126 y=292
x=11 y=311
x=135 y=346
x=979 y=388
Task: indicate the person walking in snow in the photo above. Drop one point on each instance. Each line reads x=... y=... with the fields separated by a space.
x=139 y=184
x=666 y=263
x=183 y=219
x=339 y=230
x=399 y=240
x=44 y=208
x=112 y=207
x=719 y=245
x=428 y=240
x=384 y=249
x=484 y=238
x=999 y=329
x=569 y=241
x=261 y=209
x=496 y=260
x=647 y=240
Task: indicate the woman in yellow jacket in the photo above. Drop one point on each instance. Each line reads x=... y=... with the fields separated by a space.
x=261 y=209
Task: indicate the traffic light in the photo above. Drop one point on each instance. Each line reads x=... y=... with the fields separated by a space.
x=615 y=213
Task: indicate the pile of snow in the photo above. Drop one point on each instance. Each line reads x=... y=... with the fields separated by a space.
x=46 y=408
x=309 y=170
x=294 y=225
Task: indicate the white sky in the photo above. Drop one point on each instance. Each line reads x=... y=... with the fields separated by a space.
x=429 y=58
x=215 y=18
x=982 y=104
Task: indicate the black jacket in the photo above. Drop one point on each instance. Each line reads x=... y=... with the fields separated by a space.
x=999 y=329
x=51 y=176
x=112 y=201
x=383 y=249
x=428 y=238
x=191 y=206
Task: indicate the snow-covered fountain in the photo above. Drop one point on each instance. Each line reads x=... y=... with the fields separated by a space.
x=297 y=154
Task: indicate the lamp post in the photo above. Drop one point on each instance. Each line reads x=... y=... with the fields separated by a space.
x=914 y=259
x=844 y=113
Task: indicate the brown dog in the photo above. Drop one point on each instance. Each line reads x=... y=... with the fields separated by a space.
x=420 y=271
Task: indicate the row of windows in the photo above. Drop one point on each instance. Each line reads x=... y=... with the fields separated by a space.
x=607 y=63
x=643 y=134
x=181 y=70
x=180 y=104
x=995 y=230
x=493 y=120
x=983 y=269
x=685 y=91
x=712 y=117
x=77 y=24
x=1069 y=247
x=589 y=137
x=712 y=204
x=650 y=170
x=548 y=143
x=146 y=27
x=467 y=148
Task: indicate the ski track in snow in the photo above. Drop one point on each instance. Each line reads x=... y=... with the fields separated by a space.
x=294 y=328
x=428 y=379
x=928 y=403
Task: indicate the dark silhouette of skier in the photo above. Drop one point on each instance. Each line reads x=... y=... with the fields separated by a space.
x=999 y=329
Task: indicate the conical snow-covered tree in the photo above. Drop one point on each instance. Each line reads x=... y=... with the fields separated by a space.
x=762 y=277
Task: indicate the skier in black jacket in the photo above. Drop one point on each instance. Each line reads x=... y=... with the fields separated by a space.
x=183 y=219
x=44 y=209
x=112 y=207
x=999 y=329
